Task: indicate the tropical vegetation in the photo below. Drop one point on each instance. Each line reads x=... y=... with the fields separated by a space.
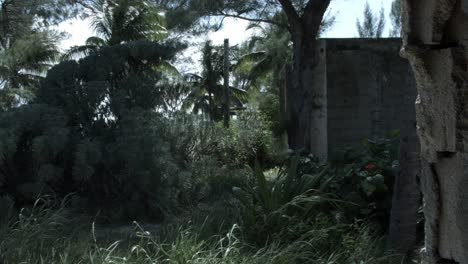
x=109 y=154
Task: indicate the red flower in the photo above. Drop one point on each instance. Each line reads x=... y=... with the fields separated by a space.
x=370 y=166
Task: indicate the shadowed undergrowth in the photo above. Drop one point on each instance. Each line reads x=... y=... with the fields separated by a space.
x=50 y=233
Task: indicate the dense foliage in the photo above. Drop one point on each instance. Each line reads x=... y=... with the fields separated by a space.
x=114 y=133
x=303 y=212
x=92 y=124
x=28 y=46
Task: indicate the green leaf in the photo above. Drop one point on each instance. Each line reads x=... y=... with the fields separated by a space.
x=263 y=190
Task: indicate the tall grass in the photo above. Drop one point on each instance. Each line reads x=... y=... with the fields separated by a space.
x=51 y=234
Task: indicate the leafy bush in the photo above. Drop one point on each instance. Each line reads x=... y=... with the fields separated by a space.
x=287 y=200
x=32 y=148
x=284 y=205
x=269 y=107
x=253 y=141
x=93 y=130
x=365 y=177
x=212 y=158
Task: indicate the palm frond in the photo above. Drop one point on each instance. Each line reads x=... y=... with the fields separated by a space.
x=196 y=99
x=192 y=77
x=260 y=69
x=95 y=41
x=255 y=25
x=24 y=63
x=250 y=58
x=102 y=27
x=235 y=93
x=169 y=69
x=254 y=40
x=78 y=52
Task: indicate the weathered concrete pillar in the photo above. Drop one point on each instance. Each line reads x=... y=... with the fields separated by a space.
x=319 y=109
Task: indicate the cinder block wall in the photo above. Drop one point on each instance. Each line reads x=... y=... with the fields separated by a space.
x=370 y=90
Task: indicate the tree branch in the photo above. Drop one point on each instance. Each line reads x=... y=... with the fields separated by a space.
x=259 y=20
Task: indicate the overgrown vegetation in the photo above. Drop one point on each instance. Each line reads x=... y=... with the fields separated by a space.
x=303 y=212
x=50 y=233
x=119 y=136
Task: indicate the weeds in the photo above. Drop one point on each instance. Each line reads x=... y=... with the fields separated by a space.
x=49 y=234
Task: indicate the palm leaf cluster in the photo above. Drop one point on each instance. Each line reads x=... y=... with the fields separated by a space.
x=269 y=49
x=27 y=47
x=285 y=199
x=23 y=65
x=207 y=89
x=269 y=52
x=120 y=21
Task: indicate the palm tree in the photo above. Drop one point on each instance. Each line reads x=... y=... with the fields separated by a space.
x=120 y=21
x=207 y=90
x=23 y=65
x=268 y=54
x=27 y=46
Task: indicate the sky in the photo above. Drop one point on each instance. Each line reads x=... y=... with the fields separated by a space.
x=346 y=12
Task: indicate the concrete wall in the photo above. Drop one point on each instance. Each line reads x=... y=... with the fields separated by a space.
x=371 y=90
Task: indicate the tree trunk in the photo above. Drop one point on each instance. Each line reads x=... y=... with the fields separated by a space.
x=435 y=34
x=226 y=105
x=5 y=38
x=306 y=84
x=210 y=104
x=307 y=100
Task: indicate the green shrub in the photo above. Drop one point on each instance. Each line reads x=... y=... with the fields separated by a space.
x=287 y=203
x=245 y=141
x=287 y=200
x=255 y=142
x=33 y=147
x=364 y=176
x=213 y=159
x=93 y=130
x=269 y=107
